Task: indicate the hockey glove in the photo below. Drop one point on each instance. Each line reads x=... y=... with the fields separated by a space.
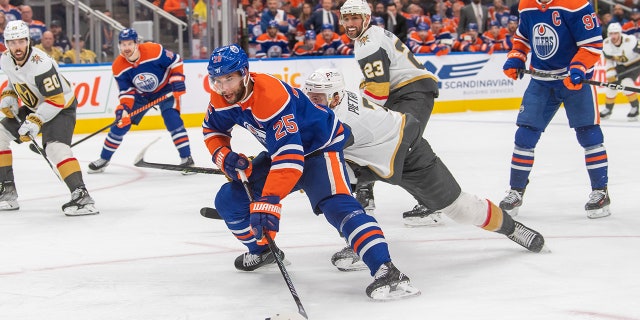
x=230 y=162
x=576 y=76
x=122 y=115
x=265 y=217
x=178 y=88
x=30 y=127
x=9 y=104
x=515 y=63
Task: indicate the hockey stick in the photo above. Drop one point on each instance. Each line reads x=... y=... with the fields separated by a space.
x=274 y=249
x=40 y=150
x=133 y=113
x=210 y=213
x=609 y=85
x=139 y=162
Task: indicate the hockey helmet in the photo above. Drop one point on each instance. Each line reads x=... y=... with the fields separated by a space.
x=614 y=27
x=325 y=80
x=436 y=18
x=326 y=26
x=128 y=34
x=227 y=59
x=273 y=24
x=16 y=29
x=355 y=7
x=472 y=26
x=360 y=7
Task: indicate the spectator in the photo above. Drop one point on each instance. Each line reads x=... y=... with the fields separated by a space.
x=395 y=22
x=273 y=44
x=10 y=12
x=36 y=27
x=307 y=46
x=273 y=12
x=177 y=8
x=47 y=46
x=3 y=24
x=254 y=30
x=303 y=17
x=632 y=27
x=512 y=27
x=469 y=41
x=61 y=40
x=618 y=15
x=442 y=36
x=499 y=12
x=107 y=36
x=321 y=17
x=86 y=55
x=328 y=43
x=419 y=40
x=495 y=39
x=379 y=9
x=473 y=13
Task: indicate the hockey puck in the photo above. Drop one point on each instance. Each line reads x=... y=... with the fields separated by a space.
x=210 y=213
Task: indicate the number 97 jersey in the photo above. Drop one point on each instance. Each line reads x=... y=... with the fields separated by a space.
x=38 y=83
x=559 y=33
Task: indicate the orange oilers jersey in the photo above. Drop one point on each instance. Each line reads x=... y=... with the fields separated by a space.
x=149 y=75
x=559 y=33
x=283 y=120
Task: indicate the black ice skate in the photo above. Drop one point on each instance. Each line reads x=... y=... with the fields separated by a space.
x=633 y=114
x=606 y=112
x=598 y=204
x=364 y=195
x=526 y=237
x=512 y=202
x=347 y=260
x=8 y=196
x=421 y=216
x=250 y=262
x=187 y=162
x=81 y=203
x=390 y=284
x=98 y=166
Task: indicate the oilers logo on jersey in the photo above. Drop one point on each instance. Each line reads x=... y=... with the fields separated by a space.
x=146 y=82
x=545 y=41
x=259 y=134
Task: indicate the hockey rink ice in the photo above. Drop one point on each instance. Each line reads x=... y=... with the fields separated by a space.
x=151 y=255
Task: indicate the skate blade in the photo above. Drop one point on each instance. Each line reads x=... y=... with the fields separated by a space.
x=91 y=171
x=599 y=213
x=268 y=267
x=632 y=119
x=402 y=291
x=88 y=209
x=348 y=265
x=9 y=205
x=416 y=222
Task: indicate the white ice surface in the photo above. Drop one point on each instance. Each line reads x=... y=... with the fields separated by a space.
x=150 y=255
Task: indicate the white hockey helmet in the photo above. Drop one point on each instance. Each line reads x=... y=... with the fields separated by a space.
x=325 y=80
x=614 y=27
x=16 y=29
x=355 y=7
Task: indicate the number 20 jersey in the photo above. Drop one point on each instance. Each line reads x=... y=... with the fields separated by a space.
x=559 y=33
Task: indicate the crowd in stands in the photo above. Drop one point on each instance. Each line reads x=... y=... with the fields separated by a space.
x=50 y=38
x=289 y=28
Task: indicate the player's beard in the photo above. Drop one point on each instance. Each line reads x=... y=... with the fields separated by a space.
x=234 y=97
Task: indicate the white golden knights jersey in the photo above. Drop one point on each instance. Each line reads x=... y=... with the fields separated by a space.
x=376 y=138
x=625 y=54
x=386 y=63
x=38 y=83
